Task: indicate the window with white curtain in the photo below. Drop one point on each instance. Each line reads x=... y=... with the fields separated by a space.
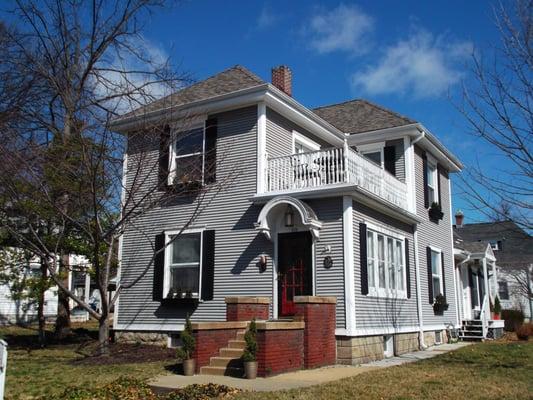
x=386 y=265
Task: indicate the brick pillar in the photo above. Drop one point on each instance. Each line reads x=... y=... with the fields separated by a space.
x=247 y=308
x=319 y=333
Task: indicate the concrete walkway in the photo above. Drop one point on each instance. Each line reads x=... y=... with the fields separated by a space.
x=299 y=379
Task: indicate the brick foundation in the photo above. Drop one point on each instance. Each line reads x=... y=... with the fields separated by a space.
x=211 y=337
x=319 y=333
x=279 y=349
x=247 y=308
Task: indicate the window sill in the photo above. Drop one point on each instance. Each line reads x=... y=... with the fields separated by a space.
x=183 y=300
x=387 y=295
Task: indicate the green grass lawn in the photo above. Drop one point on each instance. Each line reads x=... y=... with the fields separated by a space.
x=492 y=370
x=35 y=372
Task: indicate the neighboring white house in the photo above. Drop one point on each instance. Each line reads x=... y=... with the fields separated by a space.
x=14 y=310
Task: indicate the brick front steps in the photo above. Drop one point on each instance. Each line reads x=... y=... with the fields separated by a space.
x=229 y=361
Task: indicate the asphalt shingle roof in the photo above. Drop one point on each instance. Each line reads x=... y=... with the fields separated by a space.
x=228 y=81
x=357 y=116
x=516 y=244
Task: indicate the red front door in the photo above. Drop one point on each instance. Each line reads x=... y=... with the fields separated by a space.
x=294 y=269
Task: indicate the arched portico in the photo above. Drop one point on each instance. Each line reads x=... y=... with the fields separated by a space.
x=294 y=249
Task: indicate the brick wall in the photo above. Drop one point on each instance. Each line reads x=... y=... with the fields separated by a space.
x=247 y=308
x=279 y=351
x=208 y=344
x=319 y=333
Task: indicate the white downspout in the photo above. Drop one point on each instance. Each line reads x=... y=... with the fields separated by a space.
x=421 y=340
x=459 y=266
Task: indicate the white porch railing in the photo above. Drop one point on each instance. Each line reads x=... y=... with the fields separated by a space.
x=333 y=166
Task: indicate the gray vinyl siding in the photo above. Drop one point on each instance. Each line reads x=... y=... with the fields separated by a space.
x=330 y=282
x=436 y=235
x=279 y=135
x=374 y=312
x=237 y=244
x=400 y=157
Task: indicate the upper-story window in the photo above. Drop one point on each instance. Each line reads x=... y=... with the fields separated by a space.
x=374 y=152
x=495 y=245
x=386 y=265
x=187 y=156
x=432 y=182
x=302 y=144
x=503 y=290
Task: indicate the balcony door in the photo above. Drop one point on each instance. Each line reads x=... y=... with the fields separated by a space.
x=295 y=269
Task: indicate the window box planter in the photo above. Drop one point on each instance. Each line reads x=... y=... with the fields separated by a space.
x=440 y=305
x=435 y=212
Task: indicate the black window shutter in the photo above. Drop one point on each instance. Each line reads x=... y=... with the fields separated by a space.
x=208 y=265
x=443 y=275
x=439 y=173
x=430 y=276
x=159 y=267
x=425 y=168
x=211 y=134
x=164 y=161
x=363 y=256
x=389 y=153
x=407 y=271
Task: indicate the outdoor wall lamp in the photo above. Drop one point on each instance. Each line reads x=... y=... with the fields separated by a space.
x=289 y=217
x=262 y=263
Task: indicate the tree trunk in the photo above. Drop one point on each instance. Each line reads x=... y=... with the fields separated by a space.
x=62 y=328
x=40 y=306
x=103 y=335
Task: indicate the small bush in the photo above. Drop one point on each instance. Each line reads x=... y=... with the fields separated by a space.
x=513 y=319
x=497 y=305
x=250 y=349
x=525 y=331
x=188 y=342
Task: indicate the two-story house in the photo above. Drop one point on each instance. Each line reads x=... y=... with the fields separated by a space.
x=348 y=200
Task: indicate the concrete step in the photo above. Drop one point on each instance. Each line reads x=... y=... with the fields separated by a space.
x=236 y=344
x=230 y=362
x=232 y=353
x=222 y=371
x=240 y=335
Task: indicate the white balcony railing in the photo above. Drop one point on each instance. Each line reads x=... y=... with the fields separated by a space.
x=333 y=166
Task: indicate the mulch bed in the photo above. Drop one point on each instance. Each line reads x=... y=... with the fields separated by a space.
x=125 y=353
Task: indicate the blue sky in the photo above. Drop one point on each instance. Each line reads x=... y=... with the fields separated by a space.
x=409 y=56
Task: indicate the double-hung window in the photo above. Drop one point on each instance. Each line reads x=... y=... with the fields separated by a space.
x=183 y=264
x=187 y=156
x=386 y=264
x=373 y=152
x=503 y=290
x=436 y=273
x=432 y=182
x=302 y=144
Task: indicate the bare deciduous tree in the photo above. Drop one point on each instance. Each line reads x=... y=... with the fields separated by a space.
x=497 y=106
x=63 y=184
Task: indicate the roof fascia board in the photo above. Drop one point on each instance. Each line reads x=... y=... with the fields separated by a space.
x=219 y=103
x=431 y=142
x=428 y=142
x=381 y=135
x=302 y=116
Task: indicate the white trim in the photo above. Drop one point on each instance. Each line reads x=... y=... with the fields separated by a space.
x=410 y=176
x=455 y=291
x=392 y=232
x=261 y=147
x=418 y=289
x=199 y=123
x=440 y=274
x=391 y=330
x=304 y=141
x=164 y=327
x=349 y=272
x=434 y=171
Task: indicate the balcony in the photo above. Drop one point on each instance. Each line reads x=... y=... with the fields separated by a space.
x=332 y=167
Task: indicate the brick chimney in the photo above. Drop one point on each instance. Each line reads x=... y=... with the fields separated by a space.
x=459 y=219
x=282 y=78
